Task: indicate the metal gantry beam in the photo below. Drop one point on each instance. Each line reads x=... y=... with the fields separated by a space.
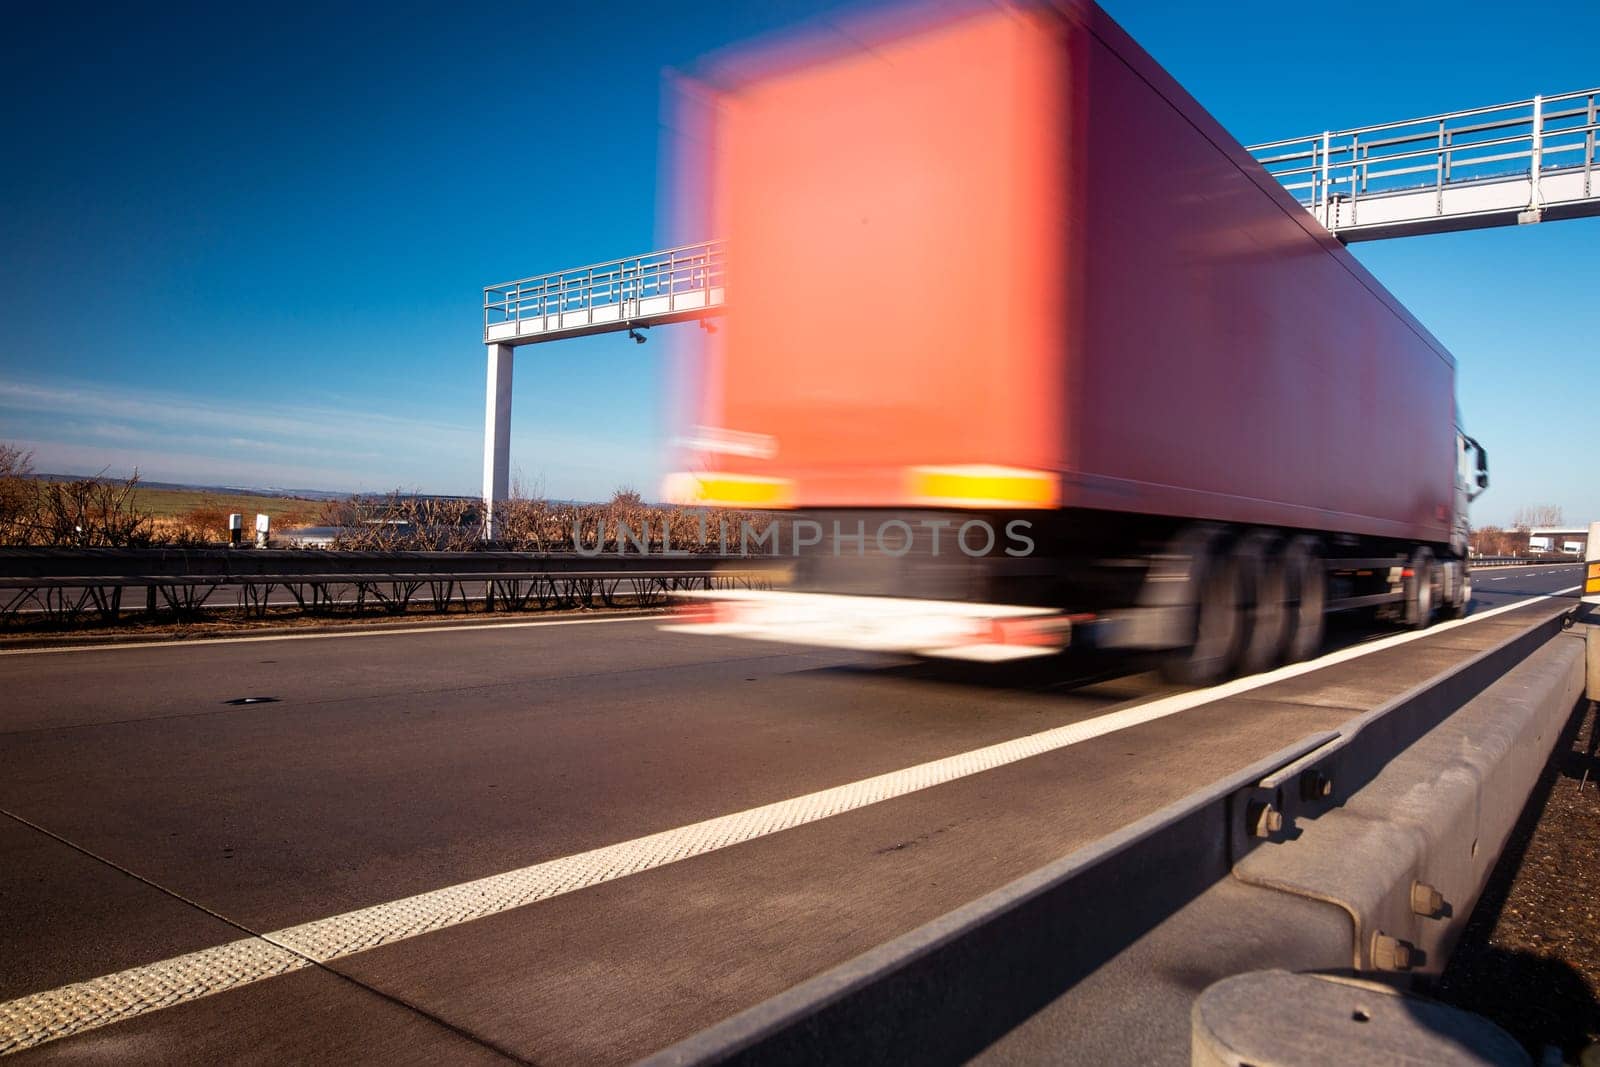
x=1526 y=161
x=632 y=293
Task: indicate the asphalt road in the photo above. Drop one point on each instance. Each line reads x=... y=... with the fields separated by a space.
x=150 y=817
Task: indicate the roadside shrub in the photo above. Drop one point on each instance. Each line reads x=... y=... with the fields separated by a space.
x=401 y=522
x=18 y=495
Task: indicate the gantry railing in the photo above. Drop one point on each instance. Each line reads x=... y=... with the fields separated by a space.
x=1520 y=162
x=637 y=292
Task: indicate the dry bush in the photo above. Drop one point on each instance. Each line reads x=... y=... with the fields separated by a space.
x=300 y=514
x=346 y=512
x=627 y=522
x=524 y=525
x=18 y=495
x=207 y=522
x=1494 y=541
x=95 y=512
x=91 y=512
x=401 y=522
x=178 y=533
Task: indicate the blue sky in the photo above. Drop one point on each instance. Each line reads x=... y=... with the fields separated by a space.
x=246 y=245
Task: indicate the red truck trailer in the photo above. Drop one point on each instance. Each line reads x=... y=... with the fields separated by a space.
x=994 y=275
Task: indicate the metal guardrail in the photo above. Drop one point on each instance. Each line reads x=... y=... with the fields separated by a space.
x=250 y=562
x=1333 y=174
x=70 y=586
x=639 y=291
x=66 y=600
x=1518 y=561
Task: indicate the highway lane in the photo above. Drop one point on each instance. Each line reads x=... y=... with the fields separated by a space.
x=393 y=766
x=1496 y=585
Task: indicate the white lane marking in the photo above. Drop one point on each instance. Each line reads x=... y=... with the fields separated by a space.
x=1537 y=567
x=325 y=635
x=32 y=1020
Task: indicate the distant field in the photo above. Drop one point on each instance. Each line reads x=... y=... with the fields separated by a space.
x=172 y=504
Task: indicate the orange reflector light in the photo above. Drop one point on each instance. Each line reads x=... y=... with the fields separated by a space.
x=728 y=490
x=1049 y=632
x=701 y=611
x=980 y=485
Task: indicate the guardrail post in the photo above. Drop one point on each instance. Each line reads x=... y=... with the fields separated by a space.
x=496 y=434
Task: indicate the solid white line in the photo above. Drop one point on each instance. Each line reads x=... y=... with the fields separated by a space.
x=45 y=1016
x=1545 y=567
x=399 y=631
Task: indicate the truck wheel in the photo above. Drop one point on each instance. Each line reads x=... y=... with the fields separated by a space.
x=1454 y=604
x=1420 y=588
x=1265 y=609
x=1464 y=588
x=1215 y=600
x=1307 y=581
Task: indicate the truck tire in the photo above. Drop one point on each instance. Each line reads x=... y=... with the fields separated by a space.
x=1214 y=598
x=1420 y=588
x=1454 y=603
x=1307 y=591
x=1261 y=569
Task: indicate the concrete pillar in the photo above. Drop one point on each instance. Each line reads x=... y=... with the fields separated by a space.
x=496 y=434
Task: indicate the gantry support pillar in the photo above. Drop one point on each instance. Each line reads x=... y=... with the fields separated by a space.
x=496 y=436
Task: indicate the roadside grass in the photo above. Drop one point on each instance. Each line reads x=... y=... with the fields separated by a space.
x=175 y=503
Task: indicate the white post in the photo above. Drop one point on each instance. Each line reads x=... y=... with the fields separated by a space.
x=1591 y=566
x=496 y=434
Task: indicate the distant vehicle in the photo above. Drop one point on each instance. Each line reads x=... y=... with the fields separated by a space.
x=998 y=267
x=1572 y=548
x=1540 y=544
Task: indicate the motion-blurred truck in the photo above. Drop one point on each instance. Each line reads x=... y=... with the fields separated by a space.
x=1029 y=352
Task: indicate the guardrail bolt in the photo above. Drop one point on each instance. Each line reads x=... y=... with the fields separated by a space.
x=1265 y=820
x=1426 y=900
x=1390 y=953
x=1314 y=785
